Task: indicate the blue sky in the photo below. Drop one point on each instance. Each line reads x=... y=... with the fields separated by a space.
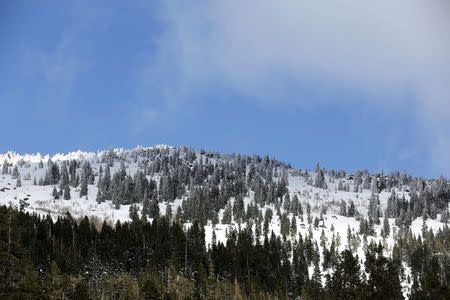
x=349 y=85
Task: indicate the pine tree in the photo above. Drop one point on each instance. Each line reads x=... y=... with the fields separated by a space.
x=408 y=217
x=106 y=183
x=154 y=208
x=343 y=209
x=64 y=180
x=424 y=227
x=226 y=217
x=386 y=227
x=169 y=211
x=320 y=180
x=134 y=213
x=19 y=182
x=346 y=280
x=294 y=208
x=53 y=174
x=66 y=190
x=444 y=216
x=99 y=198
x=83 y=186
x=293 y=228
x=351 y=210
x=55 y=194
x=15 y=172
x=5 y=167
x=284 y=225
x=238 y=209
x=373 y=210
x=383 y=281
x=313 y=288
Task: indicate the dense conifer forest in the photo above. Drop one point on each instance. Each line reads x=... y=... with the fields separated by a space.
x=66 y=259
x=175 y=223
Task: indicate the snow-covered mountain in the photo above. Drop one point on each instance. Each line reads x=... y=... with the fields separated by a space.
x=225 y=191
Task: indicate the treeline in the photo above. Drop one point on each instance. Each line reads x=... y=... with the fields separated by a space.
x=209 y=181
x=66 y=259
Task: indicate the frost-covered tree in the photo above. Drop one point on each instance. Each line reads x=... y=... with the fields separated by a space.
x=83 y=186
x=386 y=228
x=343 y=208
x=106 y=183
x=66 y=194
x=55 y=193
x=284 y=225
x=53 y=174
x=374 y=210
x=5 y=167
x=320 y=180
x=64 y=178
x=99 y=198
x=238 y=209
x=293 y=228
x=226 y=217
x=133 y=213
x=294 y=207
x=15 y=172
x=351 y=210
x=73 y=173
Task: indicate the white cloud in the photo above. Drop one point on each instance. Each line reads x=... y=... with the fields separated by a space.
x=388 y=49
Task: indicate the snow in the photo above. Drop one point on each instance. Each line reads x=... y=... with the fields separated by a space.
x=41 y=201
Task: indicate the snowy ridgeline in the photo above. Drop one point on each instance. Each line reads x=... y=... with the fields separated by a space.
x=222 y=190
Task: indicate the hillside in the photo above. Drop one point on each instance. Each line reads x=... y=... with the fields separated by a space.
x=229 y=192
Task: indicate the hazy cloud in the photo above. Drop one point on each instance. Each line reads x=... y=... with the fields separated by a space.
x=396 y=52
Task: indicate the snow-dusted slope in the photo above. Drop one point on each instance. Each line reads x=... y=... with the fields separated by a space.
x=38 y=199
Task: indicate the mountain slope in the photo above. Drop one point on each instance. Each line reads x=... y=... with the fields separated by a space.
x=227 y=192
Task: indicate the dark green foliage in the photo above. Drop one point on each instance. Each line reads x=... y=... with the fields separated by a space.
x=383 y=280
x=43 y=258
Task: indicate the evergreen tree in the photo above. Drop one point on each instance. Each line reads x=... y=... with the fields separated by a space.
x=83 y=186
x=106 y=183
x=99 y=198
x=320 y=180
x=169 y=211
x=238 y=209
x=346 y=280
x=293 y=228
x=444 y=216
x=373 y=210
x=154 y=208
x=5 y=167
x=386 y=227
x=383 y=281
x=343 y=208
x=55 y=194
x=294 y=208
x=134 y=213
x=66 y=191
x=226 y=217
x=18 y=182
x=64 y=178
x=15 y=172
x=351 y=210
